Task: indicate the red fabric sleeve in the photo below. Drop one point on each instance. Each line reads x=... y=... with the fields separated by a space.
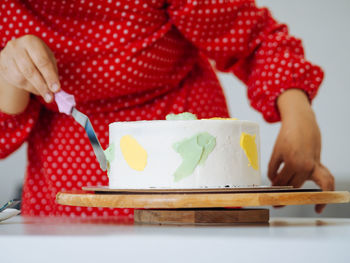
x=14 y=129
x=248 y=42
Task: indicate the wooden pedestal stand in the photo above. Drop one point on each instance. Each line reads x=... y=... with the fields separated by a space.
x=197 y=216
x=200 y=206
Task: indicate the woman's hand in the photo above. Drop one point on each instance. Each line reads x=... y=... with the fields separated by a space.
x=28 y=64
x=298 y=146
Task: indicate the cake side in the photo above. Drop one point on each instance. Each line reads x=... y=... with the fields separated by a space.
x=184 y=154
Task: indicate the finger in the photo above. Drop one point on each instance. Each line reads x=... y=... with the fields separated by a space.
x=299 y=179
x=18 y=79
x=30 y=88
x=325 y=180
x=10 y=72
x=45 y=63
x=283 y=177
x=31 y=73
x=12 y=75
x=8 y=67
x=274 y=164
x=24 y=84
x=52 y=57
x=319 y=208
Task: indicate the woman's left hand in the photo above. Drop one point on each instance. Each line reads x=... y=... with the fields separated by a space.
x=298 y=146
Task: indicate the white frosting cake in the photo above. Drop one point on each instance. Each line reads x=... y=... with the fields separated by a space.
x=210 y=153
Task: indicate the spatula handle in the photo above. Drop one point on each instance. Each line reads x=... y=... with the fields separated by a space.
x=65 y=102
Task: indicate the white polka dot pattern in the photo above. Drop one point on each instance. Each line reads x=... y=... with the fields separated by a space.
x=248 y=42
x=138 y=60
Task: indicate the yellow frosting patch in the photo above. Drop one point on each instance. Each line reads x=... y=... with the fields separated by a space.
x=134 y=154
x=219 y=118
x=248 y=145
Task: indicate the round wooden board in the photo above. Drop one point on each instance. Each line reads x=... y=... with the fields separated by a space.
x=194 y=200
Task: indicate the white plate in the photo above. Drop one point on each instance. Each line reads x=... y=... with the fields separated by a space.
x=8 y=213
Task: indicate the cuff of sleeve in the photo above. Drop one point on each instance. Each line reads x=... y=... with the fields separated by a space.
x=5 y=116
x=265 y=87
x=33 y=107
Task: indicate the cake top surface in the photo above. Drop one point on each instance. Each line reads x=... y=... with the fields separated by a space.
x=185 y=117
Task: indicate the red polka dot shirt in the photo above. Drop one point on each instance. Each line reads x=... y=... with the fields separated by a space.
x=130 y=60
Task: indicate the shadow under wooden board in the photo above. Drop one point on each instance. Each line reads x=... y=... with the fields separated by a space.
x=198 y=207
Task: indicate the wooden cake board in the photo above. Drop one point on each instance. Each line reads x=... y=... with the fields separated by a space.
x=207 y=206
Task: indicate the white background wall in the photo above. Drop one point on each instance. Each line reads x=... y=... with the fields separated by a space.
x=324 y=26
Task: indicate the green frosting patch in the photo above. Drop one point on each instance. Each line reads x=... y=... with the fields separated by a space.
x=110 y=154
x=185 y=116
x=208 y=143
x=194 y=151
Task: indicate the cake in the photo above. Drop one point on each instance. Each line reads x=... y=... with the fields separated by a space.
x=183 y=152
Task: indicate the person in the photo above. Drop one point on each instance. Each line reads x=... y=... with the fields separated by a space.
x=140 y=60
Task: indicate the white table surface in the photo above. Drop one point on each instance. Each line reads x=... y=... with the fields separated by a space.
x=66 y=240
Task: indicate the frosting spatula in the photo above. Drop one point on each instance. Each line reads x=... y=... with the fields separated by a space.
x=66 y=104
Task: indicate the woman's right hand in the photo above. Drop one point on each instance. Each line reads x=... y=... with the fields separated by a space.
x=27 y=63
